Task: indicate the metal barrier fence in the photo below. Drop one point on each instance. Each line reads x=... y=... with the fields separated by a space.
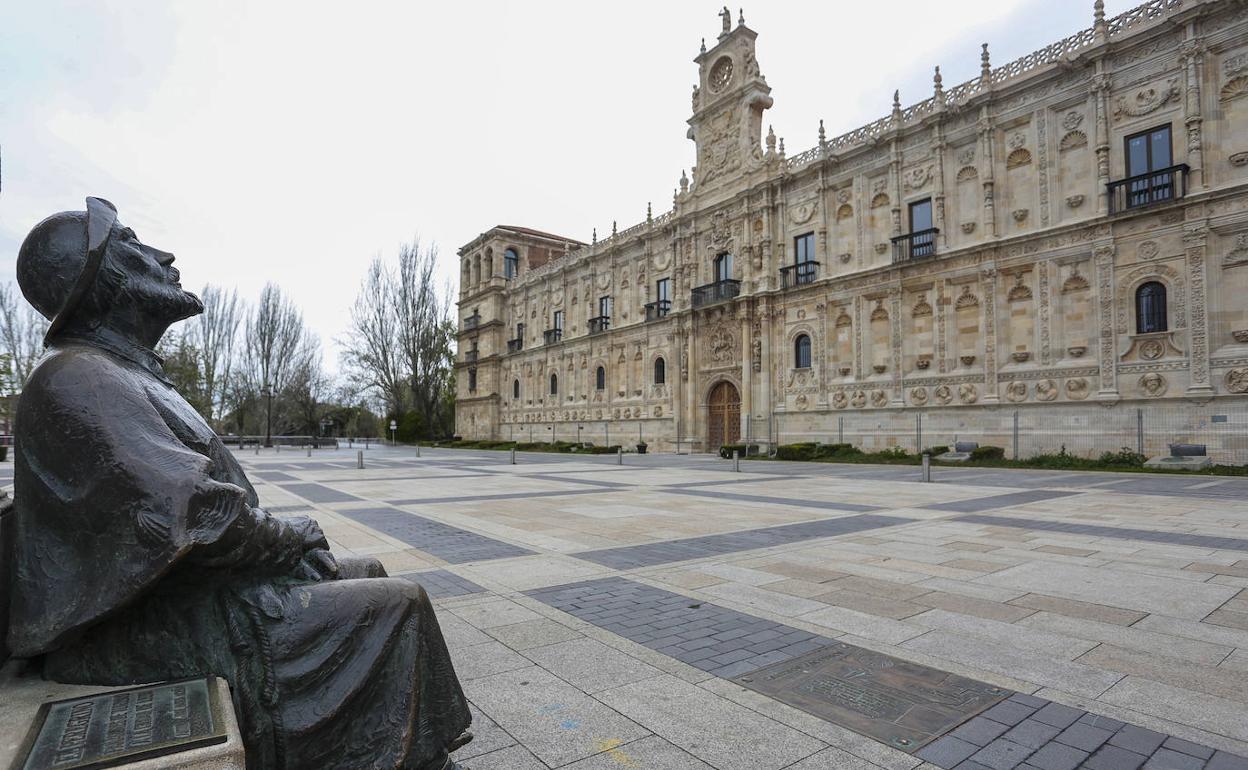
x=1087 y=431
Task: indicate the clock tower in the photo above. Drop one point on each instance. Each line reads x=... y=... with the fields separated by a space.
x=728 y=105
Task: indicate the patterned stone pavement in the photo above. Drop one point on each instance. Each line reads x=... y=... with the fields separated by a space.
x=1115 y=607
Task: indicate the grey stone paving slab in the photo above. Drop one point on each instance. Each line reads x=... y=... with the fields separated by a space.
x=650 y=554
x=286 y=508
x=274 y=476
x=319 y=493
x=824 y=505
x=590 y=665
x=714 y=639
x=1122 y=533
x=443 y=584
x=999 y=501
x=500 y=496
x=448 y=543
x=651 y=753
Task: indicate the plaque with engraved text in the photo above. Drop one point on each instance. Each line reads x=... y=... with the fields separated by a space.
x=894 y=701
x=122 y=726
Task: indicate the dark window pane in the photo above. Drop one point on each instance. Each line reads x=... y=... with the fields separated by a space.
x=801 y=352
x=1150 y=308
x=804 y=248
x=921 y=215
x=660 y=371
x=1137 y=155
x=664 y=290
x=1160 y=141
x=600 y=379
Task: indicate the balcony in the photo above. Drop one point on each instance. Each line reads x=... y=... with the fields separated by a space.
x=720 y=291
x=920 y=244
x=1151 y=189
x=471 y=322
x=599 y=324
x=552 y=336
x=470 y=356
x=799 y=274
x=516 y=345
x=657 y=310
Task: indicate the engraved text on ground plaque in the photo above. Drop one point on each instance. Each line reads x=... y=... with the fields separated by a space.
x=122 y=726
x=894 y=701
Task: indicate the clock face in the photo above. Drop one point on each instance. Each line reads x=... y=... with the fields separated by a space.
x=721 y=73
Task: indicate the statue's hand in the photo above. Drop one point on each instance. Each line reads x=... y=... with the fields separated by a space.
x=310 y=532
x=318 y=564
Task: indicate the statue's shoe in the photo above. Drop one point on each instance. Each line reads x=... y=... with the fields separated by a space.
x=463 y=740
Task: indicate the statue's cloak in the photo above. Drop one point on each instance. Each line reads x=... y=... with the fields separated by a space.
x=141 y=556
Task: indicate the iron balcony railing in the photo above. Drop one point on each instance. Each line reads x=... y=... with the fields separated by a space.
x=471 y=322
x=799 y=274
x=552 y=335
x=920 y=244
x=1161 y=186
x=657 y=310
x=470 y=356
x=599 y=324
x=720 y=291
x=516 y=345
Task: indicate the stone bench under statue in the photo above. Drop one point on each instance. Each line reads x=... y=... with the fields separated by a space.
x=1187 y=457
x=140 y=553
x=960 y=453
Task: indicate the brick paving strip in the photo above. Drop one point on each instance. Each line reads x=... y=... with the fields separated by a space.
x=826 y=505
x=1022 y=732
x=442 y=584
x=499 y=496
x=976 y=504
x=651 y=554
x=451 y=544
x=1122 y=533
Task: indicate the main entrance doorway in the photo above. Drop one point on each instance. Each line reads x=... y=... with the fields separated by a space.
x=723 y=418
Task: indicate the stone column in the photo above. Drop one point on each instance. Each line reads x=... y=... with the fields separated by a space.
x=747 y=374
x=857 y=341
x=1100 y=96
x=1193 y=58
x=938 y=187
x=1103 y=256
x=1043 y=319
x=894 y=320
x=940 y=320
x=764 y=376
x=989 y=277
x=986 y=173
x=1195 y=239
x=894 y=187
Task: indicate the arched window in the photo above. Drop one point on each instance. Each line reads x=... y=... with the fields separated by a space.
x=660 y=371
x=600 y=378
x=554 y=384
x=1150 y=308
x=511 y=263
x=515 y=389
x=801 y=351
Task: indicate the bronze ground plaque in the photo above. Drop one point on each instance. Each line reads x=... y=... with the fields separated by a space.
x=894 y=701
x=123 y=726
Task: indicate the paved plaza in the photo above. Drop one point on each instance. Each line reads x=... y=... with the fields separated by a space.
x=610 y=616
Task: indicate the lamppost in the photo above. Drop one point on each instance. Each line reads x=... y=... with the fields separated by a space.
x=267 y=392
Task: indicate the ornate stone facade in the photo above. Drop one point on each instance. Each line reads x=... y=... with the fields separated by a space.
x=984 y=248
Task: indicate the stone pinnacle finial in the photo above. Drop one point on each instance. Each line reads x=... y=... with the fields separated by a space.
x=771 y=139
x=649 y=213
x=823 y=136
x=740 y=17
x=703 y=45
x=684 y=182
x=897 y=105
x=985 y=65
x=938 y=83
x=595 y=238
x=614 y=229
x=782 y=147
x=1098 y=20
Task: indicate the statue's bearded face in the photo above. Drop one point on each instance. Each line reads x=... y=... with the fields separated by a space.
x=151 y=280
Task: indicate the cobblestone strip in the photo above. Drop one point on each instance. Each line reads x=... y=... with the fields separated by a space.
x=1122 y=533
x=448 y=543
x=649 y=554
x=443 y=584
x=319 y=493
x=715 y=639
x=1031 y=733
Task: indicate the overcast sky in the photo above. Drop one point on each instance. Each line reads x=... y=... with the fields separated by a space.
x=293 y=141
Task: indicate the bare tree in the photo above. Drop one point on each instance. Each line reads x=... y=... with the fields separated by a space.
x=274 y=330
x=215 y=332
x=371 y=348
x=21 y=338
x=308 y=387
x=425 y=329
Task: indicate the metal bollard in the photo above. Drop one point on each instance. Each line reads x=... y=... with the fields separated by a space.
x=736 y=460
x=277 y=447
x=359 y=458
x=927 y=467
x=418 y=450
x=309 y=450
x=257 y=447
x=366 y=442
x=619 y=455
x=513 y=455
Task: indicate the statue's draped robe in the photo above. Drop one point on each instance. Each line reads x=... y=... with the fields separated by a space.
x=141 y=556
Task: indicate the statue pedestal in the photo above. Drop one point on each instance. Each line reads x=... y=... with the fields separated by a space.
x=24 y=693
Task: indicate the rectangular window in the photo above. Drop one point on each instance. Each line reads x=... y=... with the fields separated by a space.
x=558 y=325
x=663 y=290
x=1147 y=154
x=922 y=237
x=472 y=380
x=804 y=248
x=519 y=331
x=511 y=263
x=723 y=267
x=604 y=307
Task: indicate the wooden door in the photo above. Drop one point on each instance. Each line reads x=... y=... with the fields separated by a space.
x=723 y=417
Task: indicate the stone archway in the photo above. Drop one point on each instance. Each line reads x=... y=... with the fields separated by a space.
x=723 y=416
